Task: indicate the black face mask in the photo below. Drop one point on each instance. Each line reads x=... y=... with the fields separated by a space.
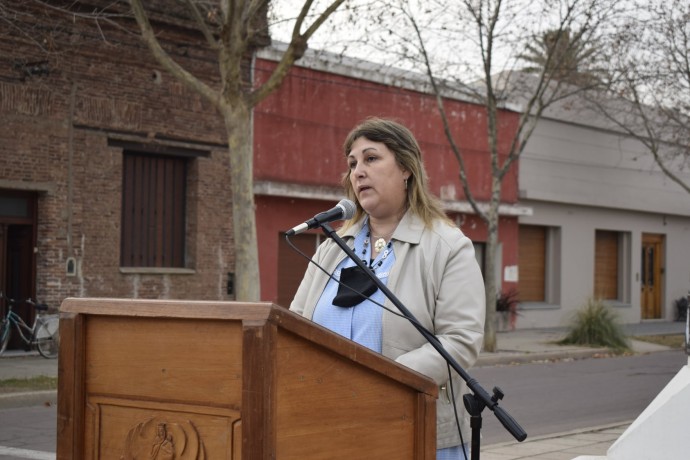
x=356 y=279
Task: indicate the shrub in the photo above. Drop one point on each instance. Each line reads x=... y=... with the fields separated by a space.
x=506 y=306
x=597 y=325
x=507 y=301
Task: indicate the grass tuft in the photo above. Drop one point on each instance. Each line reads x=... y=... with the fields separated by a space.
x=29 y=384
x=597 y=325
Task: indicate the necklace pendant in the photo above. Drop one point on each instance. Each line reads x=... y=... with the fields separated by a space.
x=380 y=244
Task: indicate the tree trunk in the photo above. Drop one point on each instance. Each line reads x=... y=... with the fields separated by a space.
x=238 y=120
x=490 y=282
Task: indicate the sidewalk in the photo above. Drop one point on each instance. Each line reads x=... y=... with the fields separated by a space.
x=528 y=345
x=521 y=346
x=561 y=446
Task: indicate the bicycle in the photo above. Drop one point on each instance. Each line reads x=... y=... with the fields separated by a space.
x=44 y=334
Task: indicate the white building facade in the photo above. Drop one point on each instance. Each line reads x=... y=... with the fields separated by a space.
x=606 y=224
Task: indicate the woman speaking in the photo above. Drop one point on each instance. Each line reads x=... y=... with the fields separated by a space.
x=401 y=232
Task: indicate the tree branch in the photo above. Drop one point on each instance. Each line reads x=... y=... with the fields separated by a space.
x=166 y=61
x=295 y=50
x=201 y=23
x=650 y=141
x=464 y=182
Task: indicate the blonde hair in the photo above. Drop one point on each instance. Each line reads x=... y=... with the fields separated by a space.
x=402 y=143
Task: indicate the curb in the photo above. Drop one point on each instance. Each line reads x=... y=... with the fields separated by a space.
x=546 y=437
x=503 y=358
x=19 y=353
x=30 y=398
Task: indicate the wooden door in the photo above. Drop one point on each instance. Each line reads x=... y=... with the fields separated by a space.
x=651 y=274
x=19 y=279
x=532 y=263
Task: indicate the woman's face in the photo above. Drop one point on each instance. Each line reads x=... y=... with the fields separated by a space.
x=377 y=179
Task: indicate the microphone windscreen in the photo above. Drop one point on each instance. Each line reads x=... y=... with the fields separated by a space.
x=349 y=208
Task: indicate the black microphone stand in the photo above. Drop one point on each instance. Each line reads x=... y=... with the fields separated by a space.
x=479 y=399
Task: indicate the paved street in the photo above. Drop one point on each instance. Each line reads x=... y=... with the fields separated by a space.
x=544 y=397
x=31 y=429
x=547 y=398
x=560 y=395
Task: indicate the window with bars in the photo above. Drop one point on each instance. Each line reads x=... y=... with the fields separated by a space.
x=154 y=190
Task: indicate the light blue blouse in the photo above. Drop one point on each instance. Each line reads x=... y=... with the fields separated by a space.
x=363 y=322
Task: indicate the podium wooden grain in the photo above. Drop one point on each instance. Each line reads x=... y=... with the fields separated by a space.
x=152 y=379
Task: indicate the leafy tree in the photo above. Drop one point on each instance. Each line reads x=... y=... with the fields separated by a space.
x=561 y=55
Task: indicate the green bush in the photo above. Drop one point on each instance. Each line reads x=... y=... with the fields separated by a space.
x=596 y=325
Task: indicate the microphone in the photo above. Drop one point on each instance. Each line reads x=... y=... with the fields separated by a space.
x=342 y=211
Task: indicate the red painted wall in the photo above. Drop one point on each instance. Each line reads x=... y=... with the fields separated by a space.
x=298 y=135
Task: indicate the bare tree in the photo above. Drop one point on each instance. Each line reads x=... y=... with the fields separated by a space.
x=649 y=78
x=477 y=49
x=234 y=28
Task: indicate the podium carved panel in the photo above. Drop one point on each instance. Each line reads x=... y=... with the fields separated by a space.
x=138 y=430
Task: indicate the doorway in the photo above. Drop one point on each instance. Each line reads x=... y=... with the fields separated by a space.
x=651 y=273
x=17 y=260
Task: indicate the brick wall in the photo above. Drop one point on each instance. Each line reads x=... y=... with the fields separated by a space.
x=55 y=130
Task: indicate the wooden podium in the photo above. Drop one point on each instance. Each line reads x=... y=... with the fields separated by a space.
x=227 y=380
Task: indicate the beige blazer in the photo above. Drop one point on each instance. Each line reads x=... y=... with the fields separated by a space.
x=436 y=276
